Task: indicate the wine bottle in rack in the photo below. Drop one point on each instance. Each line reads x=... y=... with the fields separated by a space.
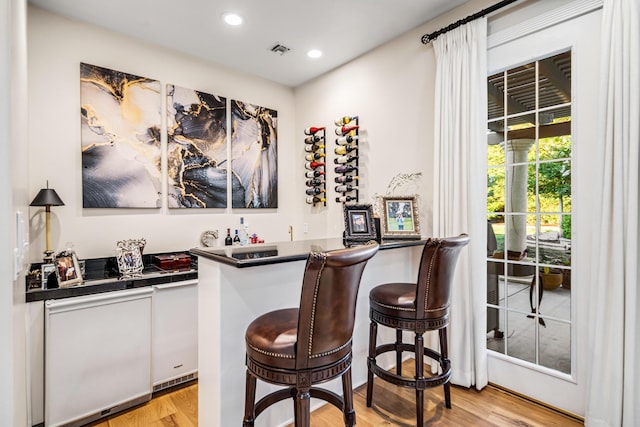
x=344 y=149
x=312 y=130
x=313 y=165
x=313 y=174
x=314 y=191
x=343 y=130
x=348 y=139
x=345 y=178
x=313 y=147
x=314 y=182
x=345 y=199
x=345 y=120
x=314 y=156
x=345 y=188
x=345 y=169
x=312 y=200
x=313 y=139
x=344 y=159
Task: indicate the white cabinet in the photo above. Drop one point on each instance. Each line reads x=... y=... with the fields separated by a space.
x=97 y=355
x=175 y=333
x=107 y=352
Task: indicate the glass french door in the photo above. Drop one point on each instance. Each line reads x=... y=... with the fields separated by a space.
x=536 y=132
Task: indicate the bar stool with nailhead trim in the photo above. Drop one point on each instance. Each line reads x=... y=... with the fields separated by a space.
x=300 y=347
x=416 y=307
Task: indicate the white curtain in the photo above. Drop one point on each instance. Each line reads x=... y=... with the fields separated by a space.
x=459 y=178
x=614 y=383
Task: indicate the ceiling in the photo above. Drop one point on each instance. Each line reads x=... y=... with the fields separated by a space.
x=341 y=29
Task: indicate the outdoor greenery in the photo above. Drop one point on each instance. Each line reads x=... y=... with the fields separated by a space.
x=553 y=183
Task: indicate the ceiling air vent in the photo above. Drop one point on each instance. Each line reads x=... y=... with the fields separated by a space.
x=281 y=49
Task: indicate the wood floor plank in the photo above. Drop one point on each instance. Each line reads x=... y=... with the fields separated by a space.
x=392 y=407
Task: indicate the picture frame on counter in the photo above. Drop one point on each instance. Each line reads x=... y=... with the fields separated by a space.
x=45 y=271
x=67 y=269
x=129 y=257
x=359 y=225
x=400 y=218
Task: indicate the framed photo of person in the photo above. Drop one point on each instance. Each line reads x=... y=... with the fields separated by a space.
x=358 y=223
x=400 y=219
x=129 y=255
x=67 y=269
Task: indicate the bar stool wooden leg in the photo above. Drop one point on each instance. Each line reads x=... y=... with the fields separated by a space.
x=347 y=393
x=444 y=352
x=249 y=400
x=399 y=351
x=373 y=331
x=419 y=351
x=303 y=408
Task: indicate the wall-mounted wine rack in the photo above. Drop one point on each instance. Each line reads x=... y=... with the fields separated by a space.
x=315 y=165
x=347 y=160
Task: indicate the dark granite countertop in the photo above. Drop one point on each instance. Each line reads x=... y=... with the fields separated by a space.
x=265 y=254
x=102 y=275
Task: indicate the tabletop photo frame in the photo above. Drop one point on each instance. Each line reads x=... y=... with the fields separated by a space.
x=400 y=218
x=67 y=269
x=45 y=271
x=359 y=225
x=129 y=256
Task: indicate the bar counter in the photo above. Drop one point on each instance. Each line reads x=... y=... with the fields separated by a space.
x=238 y=284
x=264 y=254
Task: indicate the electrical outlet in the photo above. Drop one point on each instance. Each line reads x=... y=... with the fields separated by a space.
x=305 y=228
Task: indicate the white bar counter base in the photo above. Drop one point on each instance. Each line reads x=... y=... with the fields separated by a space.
x=233 y=292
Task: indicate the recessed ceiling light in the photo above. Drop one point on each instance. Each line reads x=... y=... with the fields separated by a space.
x=314 y=53
x=233 y=19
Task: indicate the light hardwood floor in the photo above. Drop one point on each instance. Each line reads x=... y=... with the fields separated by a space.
x=392 y=406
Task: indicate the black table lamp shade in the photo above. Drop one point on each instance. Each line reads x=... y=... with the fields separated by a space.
x=47 y=197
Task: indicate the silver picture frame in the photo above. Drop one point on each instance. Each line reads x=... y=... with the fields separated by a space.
x=129 y=257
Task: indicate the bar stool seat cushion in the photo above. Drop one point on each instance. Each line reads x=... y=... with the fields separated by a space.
x=394 y=299
x=399 y=300
x=271 y=338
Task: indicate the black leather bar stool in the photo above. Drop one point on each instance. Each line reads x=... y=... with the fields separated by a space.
x=300 y=347
x=416 y=307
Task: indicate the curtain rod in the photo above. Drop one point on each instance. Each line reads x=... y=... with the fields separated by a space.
x=428 y=38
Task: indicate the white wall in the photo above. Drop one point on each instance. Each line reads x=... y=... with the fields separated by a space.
x=56 y=46
x=391 y=90
x=14 y=177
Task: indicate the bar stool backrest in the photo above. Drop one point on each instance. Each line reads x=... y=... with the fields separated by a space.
x=328 y=304
x=435 y=276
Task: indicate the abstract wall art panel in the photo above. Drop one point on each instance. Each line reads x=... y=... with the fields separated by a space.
x=254 y=145
x=120 y=132
x=196 y=149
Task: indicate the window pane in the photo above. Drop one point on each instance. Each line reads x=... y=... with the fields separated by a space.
x=495 y=329
x=554 y=80
x=555 y=148
x=520 y=336
x=495 y=235
x=532 y=175
x=517 y=183
x=495 y=189
x=495 y=150
x=554 y=186
x=495 y=94
x=521 y=89
x=555 y=342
